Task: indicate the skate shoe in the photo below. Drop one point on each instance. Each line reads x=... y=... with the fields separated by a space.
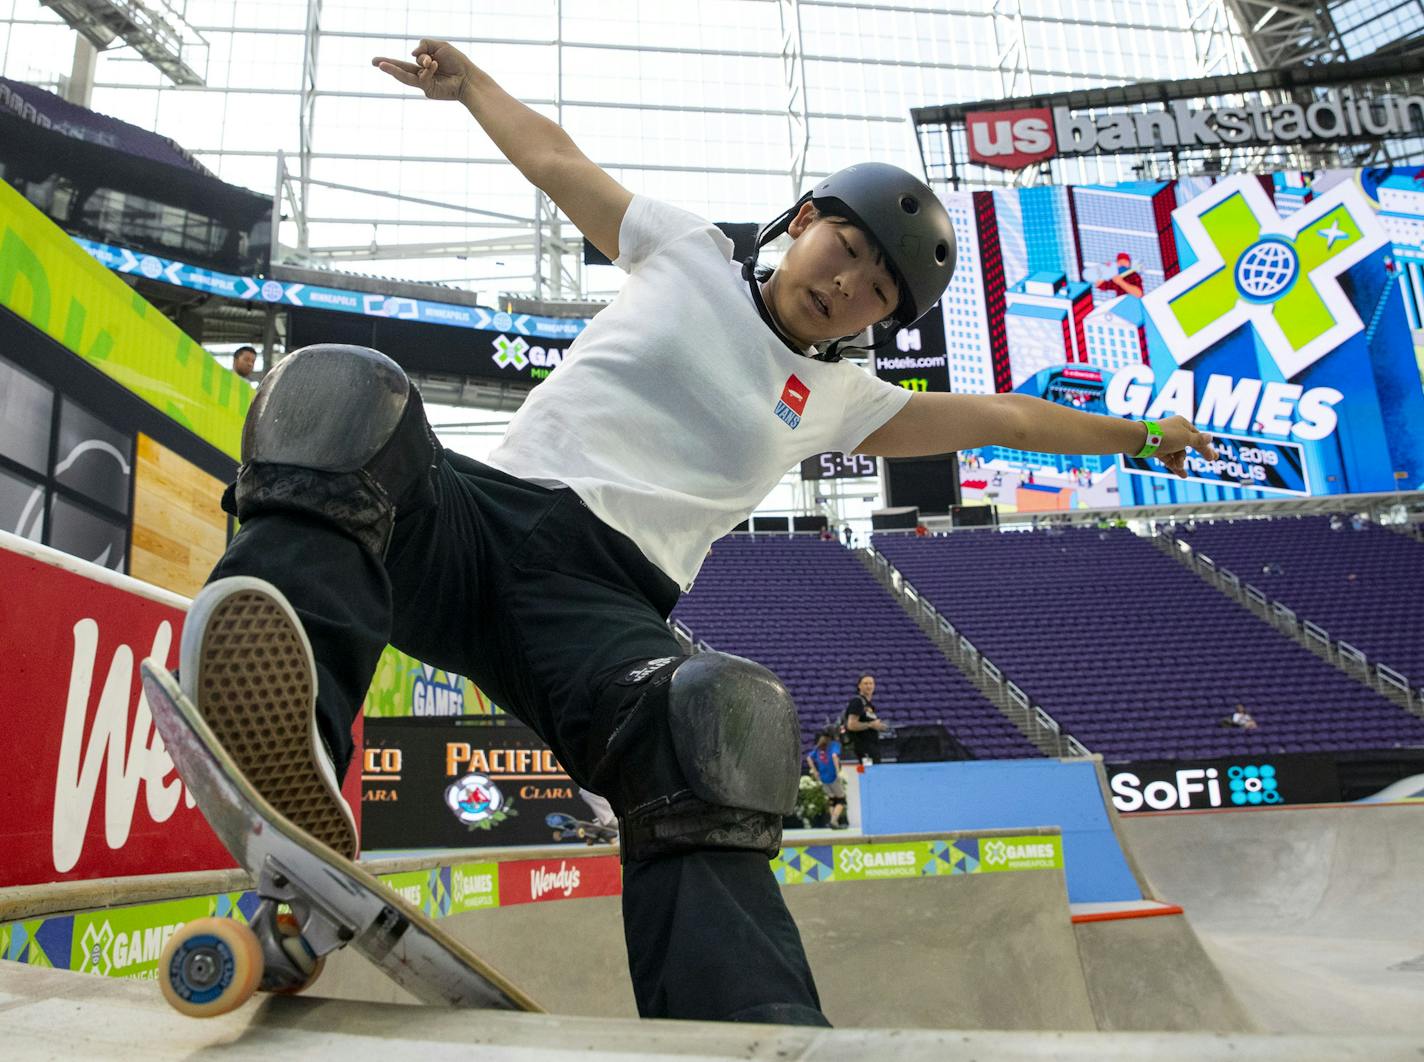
x=247 y=666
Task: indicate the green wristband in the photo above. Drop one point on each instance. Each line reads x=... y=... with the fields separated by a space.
x=1154 y=439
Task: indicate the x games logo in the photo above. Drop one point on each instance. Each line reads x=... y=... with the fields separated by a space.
x=1281 y=276
x=511 y=352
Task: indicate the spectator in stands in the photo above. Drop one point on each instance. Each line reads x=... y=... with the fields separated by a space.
x=863 y=725
x=825 y=761
x=1358 y=522
x=849 y=536
x=827 y=535
x=1272 y=568
x=244 y=361
x=1242 y=718
x=1336 y=523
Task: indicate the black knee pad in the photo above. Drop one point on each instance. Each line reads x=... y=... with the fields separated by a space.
x=697 y=752
x=337 y=432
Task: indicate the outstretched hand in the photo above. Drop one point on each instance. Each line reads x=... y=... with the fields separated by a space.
x=440 y=70
x=1178 y=435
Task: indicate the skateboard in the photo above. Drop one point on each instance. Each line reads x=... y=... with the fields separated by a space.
x=313 y=901
x=567 y=828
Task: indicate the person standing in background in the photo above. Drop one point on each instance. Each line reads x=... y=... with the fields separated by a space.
x=825 y=761
x=244 y=361
x=863 y=726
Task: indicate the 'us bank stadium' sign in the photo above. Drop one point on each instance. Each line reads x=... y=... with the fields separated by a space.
x=1014 y=139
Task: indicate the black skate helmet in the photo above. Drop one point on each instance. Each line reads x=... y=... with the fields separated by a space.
x=904 y=217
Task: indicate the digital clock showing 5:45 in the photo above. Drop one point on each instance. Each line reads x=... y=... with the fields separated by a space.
x=839 y=466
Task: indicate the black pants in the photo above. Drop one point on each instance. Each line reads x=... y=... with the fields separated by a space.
x=524 y=591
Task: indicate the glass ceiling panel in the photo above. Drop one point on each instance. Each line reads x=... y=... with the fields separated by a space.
x=682 y=101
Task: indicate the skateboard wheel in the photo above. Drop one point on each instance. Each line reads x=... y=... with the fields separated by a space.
x=210 y=966
x=301 y=955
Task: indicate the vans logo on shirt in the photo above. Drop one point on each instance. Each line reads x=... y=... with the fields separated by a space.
x=793 y=400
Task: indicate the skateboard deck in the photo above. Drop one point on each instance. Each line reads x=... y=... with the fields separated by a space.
x=567 y=828
x=333 y=901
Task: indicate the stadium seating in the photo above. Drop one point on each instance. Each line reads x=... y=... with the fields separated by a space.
x=1134 y=655
x=1379 y=611
x=811 y=612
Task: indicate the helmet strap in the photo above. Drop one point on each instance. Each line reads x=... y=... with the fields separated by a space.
x=770 y=231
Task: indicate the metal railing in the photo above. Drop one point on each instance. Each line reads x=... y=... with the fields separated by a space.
x=683 y=634
x=1349 y=659
x=1037 y=725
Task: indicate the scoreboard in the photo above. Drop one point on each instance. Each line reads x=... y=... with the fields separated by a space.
x=839 y=466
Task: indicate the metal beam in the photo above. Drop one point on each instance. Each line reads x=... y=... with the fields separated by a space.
x=1010 y=48
x=494 y=246
x=306 y=116
x=793 y=67
x=1277 y=33
x=157 y=32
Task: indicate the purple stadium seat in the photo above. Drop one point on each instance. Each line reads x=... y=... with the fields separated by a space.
x=810 y=612
x=1135 y=656
x=1379 y=611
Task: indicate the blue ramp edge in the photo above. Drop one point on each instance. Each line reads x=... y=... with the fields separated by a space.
x=1006 y=794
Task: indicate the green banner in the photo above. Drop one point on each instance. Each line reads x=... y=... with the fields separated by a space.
x=19 y=942
x=126 y=941
x=404 y=687
x=51 y=282
x=1020 y=853
x=414 y=887
x=473 y=886
x=808 y=864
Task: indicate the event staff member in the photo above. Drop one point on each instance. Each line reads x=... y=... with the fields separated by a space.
x=863 y=726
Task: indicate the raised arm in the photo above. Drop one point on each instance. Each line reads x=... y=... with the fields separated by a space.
x=940 y=423
x=539 y=149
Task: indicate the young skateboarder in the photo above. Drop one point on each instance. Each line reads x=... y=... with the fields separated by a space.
x=546 y=575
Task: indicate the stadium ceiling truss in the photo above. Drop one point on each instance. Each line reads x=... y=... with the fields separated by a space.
x=1228 y=37
x=156 y=29
x=544 y=238
x=1284 y=34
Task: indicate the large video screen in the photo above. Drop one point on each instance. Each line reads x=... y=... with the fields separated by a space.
x=1284 y=314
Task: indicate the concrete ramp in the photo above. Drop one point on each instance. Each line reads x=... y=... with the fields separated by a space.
x=970 y=952
x=1315 y=915
x=957 y=951
x=50 y=1014
x=1151 y=972
x=569 y=956
x=964 y=931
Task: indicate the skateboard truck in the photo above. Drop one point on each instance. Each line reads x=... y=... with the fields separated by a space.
x=293 y=944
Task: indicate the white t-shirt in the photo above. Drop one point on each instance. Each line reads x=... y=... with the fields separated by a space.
x=677 y=410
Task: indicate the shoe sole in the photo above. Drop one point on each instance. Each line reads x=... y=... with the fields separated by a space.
x=255 y=687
